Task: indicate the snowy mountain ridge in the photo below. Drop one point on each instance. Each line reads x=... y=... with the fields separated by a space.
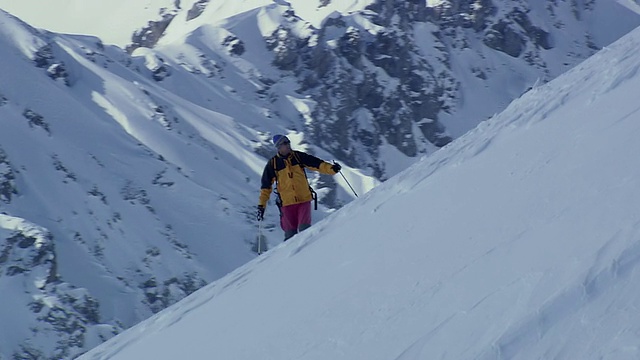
x=388 y=81
x=123 y=231
x=142 y=196
x=380 y=83
x=519 y=240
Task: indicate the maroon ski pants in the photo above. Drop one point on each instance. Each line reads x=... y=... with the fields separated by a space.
x=295 y=218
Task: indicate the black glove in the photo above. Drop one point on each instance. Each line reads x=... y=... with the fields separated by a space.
x=260 y=213
x=336 y=167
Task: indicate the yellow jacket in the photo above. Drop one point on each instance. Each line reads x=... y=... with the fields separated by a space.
x=288 y=173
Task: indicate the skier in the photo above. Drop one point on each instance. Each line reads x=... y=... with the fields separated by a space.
x=286 y=168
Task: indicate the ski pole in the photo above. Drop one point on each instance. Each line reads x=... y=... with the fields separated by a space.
x=259 y=237
x=347 y=181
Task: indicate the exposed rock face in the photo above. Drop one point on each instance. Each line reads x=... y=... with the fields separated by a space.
x=235 y=45
x=62 y=318
x=36 y=120
x=56 y=69
x=375 y=84
x=370 y=89
x=150 y=34
x=503 y=38
x=7 y=179
x=197 y=9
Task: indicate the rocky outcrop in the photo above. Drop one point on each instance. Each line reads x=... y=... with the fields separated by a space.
x=508 y=33
x=234 y=44
x=197 y=9
x=63 y=319
x=372 y=83
x=160 y=295
x=150 y=34
x=56 y=69
x=370 y=89
x=36 y=120
x=8 y=187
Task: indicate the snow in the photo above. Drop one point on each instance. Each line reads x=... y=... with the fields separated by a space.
x=136 y=180
x=632 y=5
x=520 y=239
x=112 y=21
x=434 y=3
x=192 y=147
x=316 y=14
x=102 y=133
x=16 y=34
x=617 y=13
x=269 y=19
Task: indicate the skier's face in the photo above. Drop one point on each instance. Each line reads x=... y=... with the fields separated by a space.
x=284 y=148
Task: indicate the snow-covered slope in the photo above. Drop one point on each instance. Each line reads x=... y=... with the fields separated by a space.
x=520 y=240
x=140 y=193
x=117 y=199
